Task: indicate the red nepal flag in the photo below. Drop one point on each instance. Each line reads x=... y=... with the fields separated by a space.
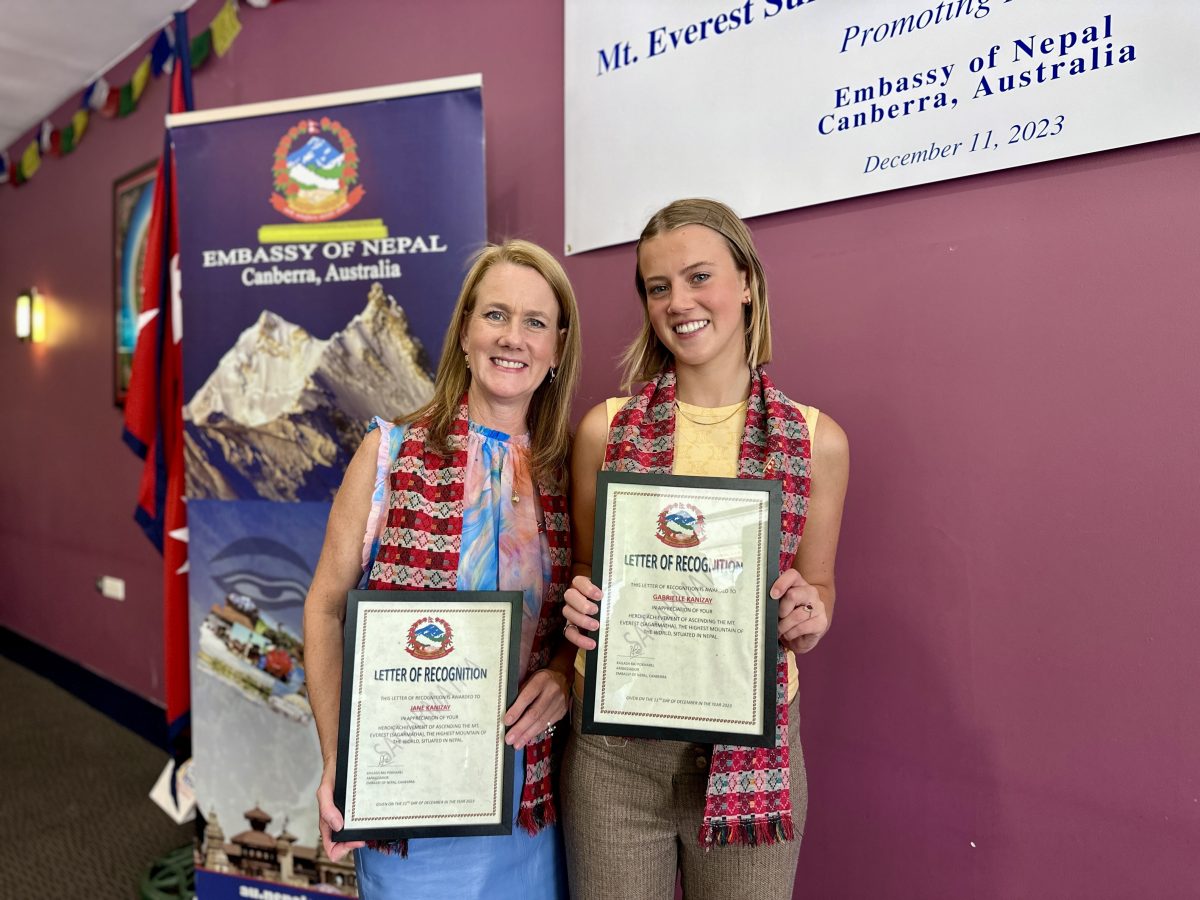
x=154 y=407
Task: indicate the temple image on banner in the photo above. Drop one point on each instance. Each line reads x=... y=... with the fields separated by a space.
x=257 y=853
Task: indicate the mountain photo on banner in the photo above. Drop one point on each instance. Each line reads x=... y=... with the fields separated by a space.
x=283 y=411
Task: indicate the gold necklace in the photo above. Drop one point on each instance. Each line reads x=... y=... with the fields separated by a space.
x=737 y=409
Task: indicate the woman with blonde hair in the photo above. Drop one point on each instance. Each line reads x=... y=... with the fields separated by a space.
x=480 y=471
x=728 y=819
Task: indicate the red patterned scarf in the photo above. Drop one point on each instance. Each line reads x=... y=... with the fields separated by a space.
x=749 y=796
x=419 y=551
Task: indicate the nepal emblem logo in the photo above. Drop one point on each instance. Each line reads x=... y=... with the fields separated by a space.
x=315 y=171
x=680 y=525
x=430 y=638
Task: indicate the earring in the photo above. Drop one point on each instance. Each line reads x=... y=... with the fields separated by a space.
x=553 y=372
x=467 y=358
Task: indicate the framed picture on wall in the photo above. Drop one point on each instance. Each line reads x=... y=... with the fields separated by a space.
x=133 y=199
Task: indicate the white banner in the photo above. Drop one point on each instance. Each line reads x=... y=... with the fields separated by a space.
x=776 y=104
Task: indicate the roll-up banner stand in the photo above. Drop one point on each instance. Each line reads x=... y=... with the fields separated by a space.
x=322 y=244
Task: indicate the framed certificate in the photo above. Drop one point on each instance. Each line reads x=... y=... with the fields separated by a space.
x=426 y=679
x=687 y=645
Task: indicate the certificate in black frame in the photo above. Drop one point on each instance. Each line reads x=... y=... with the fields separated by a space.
x=510 y=652
x=677 y=489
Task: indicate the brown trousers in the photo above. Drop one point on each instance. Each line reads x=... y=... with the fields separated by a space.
x=631 y=815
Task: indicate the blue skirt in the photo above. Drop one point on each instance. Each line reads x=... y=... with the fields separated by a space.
x=515 y=866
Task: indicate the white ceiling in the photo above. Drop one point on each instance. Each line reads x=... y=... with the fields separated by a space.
x=52 y=49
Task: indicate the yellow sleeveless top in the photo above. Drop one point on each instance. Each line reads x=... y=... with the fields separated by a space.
x=707 y=441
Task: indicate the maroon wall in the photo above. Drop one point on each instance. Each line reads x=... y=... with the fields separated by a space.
x=1006 y=706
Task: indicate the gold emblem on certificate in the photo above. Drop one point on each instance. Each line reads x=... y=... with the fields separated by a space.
x=426 y=680
x=686 y=648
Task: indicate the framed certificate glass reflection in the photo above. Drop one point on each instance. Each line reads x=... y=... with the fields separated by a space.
x=426 y=679
x=687 y=645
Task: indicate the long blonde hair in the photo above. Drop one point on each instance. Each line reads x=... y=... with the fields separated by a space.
x=549 y=409
x=646 y=356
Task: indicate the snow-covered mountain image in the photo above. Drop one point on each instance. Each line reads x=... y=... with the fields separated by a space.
x=317 y=152
x=283 y=411
x=318 y=164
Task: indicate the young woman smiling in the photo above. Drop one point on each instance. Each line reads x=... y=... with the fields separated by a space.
x=638 y=812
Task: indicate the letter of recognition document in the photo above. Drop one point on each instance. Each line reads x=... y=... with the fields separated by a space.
x=426 y=679
x=687 y=646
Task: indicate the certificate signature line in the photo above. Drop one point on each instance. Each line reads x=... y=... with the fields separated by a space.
x=659 y=715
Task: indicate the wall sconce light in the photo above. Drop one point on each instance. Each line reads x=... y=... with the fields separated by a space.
x=31 y=316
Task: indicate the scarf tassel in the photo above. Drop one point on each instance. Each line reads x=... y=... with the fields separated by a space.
x=390 y=848
x=750 y=831
x=536 y=817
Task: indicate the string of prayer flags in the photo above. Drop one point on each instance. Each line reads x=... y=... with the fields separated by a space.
x=225 y=27
x=141 y=77
x=118 y=102
x=162 y=54
x=201 y=48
